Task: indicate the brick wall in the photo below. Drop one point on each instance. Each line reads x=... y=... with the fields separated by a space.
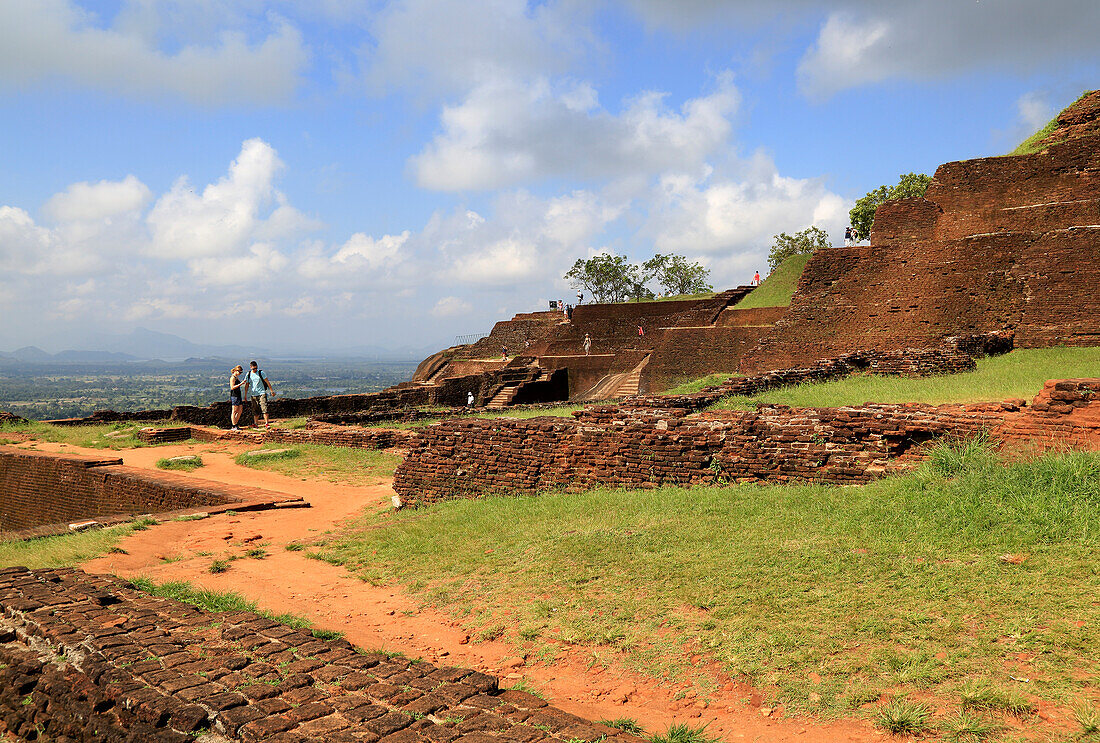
x=1001 y=243
x=86 y=658
x=648 y=447
x=38 y=489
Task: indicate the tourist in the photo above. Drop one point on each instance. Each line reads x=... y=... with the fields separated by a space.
x=580 y=298
x=258 y=388
x=587 y=344
x=236 y=399
x=504 y=352
x=848 y=237
x=641 y=331
x=469 y=399
x=756 y=279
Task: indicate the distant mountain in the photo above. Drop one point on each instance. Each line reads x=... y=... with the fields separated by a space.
x=31 y=353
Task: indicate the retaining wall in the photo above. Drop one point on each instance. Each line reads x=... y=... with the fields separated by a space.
x=85 y=658
x=41 y=492
x=646 y=447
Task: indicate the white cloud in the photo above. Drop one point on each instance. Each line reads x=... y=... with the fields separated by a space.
x=94 y=201
x=451 y=307
x=509 y=132
x=47 y=39
x=448 y=46
x=370 y=252
x=226 y=215
x=937 y=38
x=731 y=217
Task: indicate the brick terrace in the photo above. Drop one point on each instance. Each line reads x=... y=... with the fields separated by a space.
x=84 y=658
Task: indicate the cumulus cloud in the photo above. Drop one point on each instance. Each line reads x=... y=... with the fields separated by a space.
x=936 y=38
x=226 y=216
x=93 y=201
x=510 y=132
x=58 y=39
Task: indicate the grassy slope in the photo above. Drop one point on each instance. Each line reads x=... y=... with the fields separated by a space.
x=894 y=587
x=1030 y=144
x=778 y=288
x=1019 y=374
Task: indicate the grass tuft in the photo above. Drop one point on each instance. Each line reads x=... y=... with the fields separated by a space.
x=626 y=724
x=332 y=463
x=1087 y=715
x=969 y=728
x=982 y=696
x=683 y=733
x=219 y=566
x=903 y=717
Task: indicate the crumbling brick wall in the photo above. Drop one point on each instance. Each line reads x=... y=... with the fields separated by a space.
x=648 y=447
x=1000 y=243
x=85 y=658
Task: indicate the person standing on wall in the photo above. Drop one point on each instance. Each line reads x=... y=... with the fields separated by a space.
x=236 y=393
x=848 y=236
x=756 y=279
x=587 y=344
x=258 y=388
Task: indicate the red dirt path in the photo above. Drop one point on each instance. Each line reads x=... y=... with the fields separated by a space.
x=384 y=617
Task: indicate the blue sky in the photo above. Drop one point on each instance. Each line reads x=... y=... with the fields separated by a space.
x=312 y=176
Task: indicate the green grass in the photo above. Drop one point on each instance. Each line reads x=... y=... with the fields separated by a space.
x=1031 y=144
x=1019 y=374
x=897 y=585
x=696 y=385
x=626 y=724
x=190 y=464
x=561 y=411
x=90 y=437
x=225 y=601
x=682 y=733
x=61 y=551
x=778 y=289
x=333 y=463
x=903 y=717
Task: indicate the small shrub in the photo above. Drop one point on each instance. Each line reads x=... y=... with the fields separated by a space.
x=294 y=547
x=143 y=524
x=219 y=566
x=903 y=717
x=626 y=724
x=257 y=553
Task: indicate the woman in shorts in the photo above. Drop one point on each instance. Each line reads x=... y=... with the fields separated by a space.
x=236 y=399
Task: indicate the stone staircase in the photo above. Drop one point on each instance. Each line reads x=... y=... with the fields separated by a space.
x=503 y=398
x=513 y=379
x=618 y=385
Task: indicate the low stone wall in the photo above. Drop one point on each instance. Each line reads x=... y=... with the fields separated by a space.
x=41 y=493
x=645 y=448
x=85 y=658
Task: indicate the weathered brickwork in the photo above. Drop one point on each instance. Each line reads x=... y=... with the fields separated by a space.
x=38 y=489
x=648 y=447
x=999 y=243
x=84 y=658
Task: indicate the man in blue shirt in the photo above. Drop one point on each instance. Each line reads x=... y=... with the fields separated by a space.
x=257 y=393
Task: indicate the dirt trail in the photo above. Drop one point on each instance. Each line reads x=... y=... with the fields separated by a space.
x=384 y=617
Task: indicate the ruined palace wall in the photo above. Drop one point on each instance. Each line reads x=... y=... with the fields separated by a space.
x=38 y=489
x=996 y=243
x=690 y=353
x=86 y=658
x=645 y=448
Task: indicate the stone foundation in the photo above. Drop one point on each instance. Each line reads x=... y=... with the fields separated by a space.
x=84 y=658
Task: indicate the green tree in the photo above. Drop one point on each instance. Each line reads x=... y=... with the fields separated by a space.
x=677 y=275
x=608 y=278
x=862 y=215
x=803 y=242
